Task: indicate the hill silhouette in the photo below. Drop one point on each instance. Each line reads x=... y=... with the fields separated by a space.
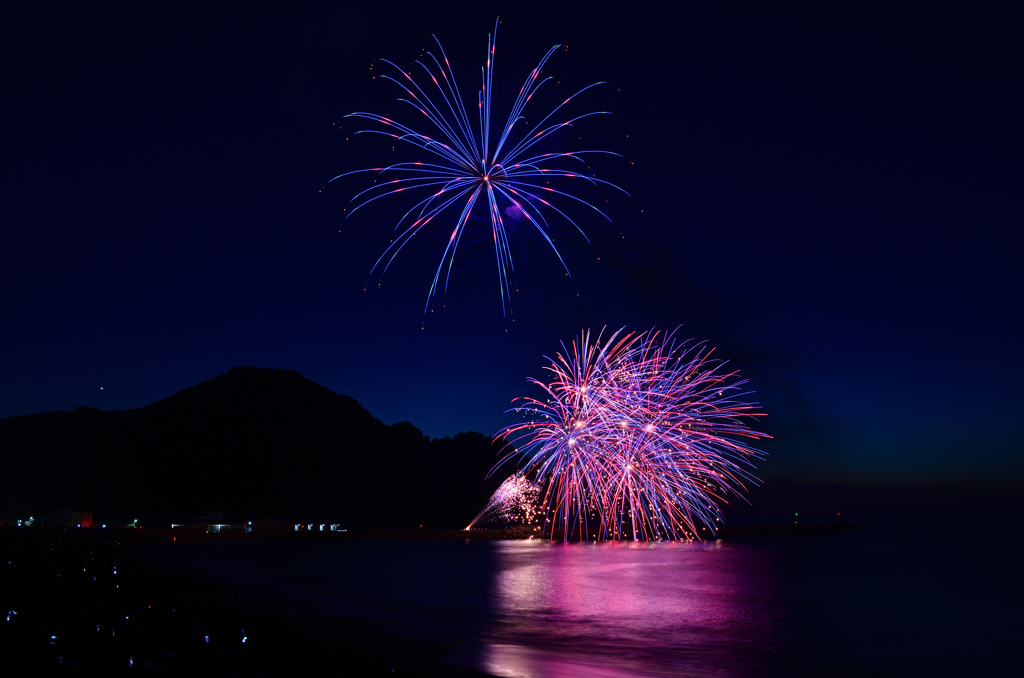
x=252 y=443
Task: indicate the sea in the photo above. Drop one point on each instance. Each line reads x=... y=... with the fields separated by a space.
x=872 y=602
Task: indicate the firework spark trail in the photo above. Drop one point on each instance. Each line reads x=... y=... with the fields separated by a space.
x=515 y=501
x=462 y=167
x=639 y=436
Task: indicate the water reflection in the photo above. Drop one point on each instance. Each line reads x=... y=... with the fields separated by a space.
x=629 y=609
x=521 y=661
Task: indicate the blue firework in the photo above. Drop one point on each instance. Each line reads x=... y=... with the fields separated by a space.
x=468 y=163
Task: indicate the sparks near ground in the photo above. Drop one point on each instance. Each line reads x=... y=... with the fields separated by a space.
x=515 y=502
x=639 y=437
x=462 y=168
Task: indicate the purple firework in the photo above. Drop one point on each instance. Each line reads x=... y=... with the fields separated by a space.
x=637 y=437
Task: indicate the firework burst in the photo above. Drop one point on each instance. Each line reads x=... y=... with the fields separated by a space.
x=515 y=502
x=463 y=168
x=638 y=437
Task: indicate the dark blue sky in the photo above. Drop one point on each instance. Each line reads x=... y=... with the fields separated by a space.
x=832 y=196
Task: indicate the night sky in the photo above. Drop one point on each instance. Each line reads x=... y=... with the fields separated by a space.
x=831 y=196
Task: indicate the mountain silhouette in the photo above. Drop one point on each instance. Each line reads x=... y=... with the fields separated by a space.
x=251 y=443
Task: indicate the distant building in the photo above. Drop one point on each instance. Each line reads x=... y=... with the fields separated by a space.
x=69 y=518
x=214 y=528
x=318 y=527
x=265 y=526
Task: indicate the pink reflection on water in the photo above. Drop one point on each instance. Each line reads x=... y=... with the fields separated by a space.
x=520 y=661
x=628 y=608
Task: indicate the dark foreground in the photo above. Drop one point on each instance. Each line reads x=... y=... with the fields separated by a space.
x=82 y=602
x=98 y=602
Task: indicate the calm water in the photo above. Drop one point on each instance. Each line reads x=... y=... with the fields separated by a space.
x=864 y=603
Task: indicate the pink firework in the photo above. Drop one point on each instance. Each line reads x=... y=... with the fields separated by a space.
x=513 y=503
x=637 y=437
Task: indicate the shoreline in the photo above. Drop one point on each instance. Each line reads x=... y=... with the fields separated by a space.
x=185 y=535
x=109 y=602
